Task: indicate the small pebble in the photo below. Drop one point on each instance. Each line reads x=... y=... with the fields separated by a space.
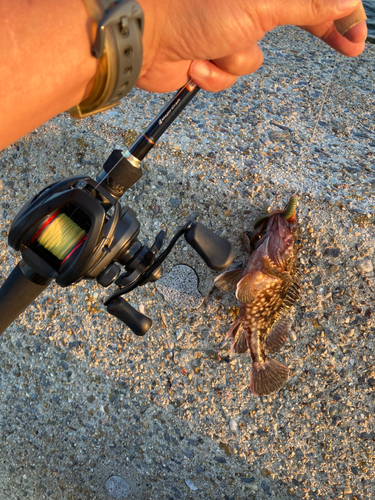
x=266 y=487
x=233 y=425
x=247 y=480
x=333 y=411
x=365 y=265
x=333 y=269
x=266 y=473
x=279 y=136
x=191 y=484
x=117 y=487
x=293 y=336
x=179 y=333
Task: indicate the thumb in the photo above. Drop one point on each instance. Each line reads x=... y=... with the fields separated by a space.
x=304 y=12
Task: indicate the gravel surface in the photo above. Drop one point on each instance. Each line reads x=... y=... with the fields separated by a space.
x=89 y=411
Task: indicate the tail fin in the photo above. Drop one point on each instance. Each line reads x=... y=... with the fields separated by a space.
x=267 y=377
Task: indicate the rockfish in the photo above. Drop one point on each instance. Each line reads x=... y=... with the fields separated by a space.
x=266 y=288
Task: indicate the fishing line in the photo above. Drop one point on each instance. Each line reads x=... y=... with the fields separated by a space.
x=61 y=236
x=308 y=146
x=325 y=97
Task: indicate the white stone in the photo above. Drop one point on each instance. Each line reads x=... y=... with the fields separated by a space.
x=233 y=425
x=190 y=484
x=180 y=288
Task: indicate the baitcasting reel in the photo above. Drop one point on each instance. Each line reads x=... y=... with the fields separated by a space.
x=76 y=229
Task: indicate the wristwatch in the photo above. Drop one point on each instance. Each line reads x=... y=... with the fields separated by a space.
x=118 y=46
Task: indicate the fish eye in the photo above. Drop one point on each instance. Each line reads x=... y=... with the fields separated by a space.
x=299 y=242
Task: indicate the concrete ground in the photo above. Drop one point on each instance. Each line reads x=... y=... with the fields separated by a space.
x=90 y=411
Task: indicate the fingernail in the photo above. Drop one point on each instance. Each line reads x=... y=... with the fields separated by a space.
x=200 y=69
x=357 y=33
x=347 y=4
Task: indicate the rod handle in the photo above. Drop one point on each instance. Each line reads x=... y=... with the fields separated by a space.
x=18 y=291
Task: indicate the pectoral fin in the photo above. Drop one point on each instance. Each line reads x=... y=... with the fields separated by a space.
x=243 y=292
x=245 y=239
x=228 y=280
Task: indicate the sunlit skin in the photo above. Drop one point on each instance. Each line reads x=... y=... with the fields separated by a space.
x=226 y=34
x=48 y=65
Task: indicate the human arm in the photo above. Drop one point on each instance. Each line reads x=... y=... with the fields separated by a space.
x=46 y=65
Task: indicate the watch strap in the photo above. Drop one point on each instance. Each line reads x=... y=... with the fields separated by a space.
x=118 y=47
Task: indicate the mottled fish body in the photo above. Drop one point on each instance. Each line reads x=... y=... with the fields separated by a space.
x=266 y=289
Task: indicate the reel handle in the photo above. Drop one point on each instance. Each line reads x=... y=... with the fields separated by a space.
x=216 y=251
x=136 y=321
x=19 y=290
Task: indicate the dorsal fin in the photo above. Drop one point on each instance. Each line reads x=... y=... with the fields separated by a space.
x=277 y=335
x=272 y=270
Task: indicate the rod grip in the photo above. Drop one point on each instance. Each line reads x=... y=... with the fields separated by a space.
x=17 y=293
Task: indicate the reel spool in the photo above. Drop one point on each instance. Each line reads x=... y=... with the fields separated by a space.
x=60 y=235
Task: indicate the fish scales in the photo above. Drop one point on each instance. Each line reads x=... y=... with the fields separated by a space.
x=266 y=289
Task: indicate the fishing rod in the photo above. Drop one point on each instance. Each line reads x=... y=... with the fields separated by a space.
x=76 y=229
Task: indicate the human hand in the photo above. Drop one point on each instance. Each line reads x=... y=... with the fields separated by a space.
x=215 y=41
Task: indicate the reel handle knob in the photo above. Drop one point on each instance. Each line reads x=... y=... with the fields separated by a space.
x=136 y=321
x=216 y=251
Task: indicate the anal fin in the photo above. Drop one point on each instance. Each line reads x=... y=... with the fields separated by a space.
x=292 y=295
x=240 y=337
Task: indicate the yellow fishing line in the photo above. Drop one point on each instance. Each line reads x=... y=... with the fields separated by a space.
x=61 y=236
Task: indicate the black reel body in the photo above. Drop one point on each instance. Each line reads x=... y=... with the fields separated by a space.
x=76 y=229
